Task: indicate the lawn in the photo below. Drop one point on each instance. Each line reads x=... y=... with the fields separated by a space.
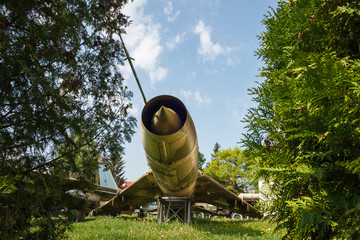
x=130 y=227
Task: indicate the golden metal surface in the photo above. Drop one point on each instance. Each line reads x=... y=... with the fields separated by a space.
x=170 y=144
x=171 y=148
x=143 y=190
x=165 y=122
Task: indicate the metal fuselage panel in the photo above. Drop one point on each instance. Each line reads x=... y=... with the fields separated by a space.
x=173 y=158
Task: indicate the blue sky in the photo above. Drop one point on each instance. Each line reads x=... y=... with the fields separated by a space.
x=201 y=52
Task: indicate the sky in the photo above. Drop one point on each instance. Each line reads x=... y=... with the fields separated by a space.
x=202 y=52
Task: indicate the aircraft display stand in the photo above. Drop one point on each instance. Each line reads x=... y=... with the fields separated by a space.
x=174 y=207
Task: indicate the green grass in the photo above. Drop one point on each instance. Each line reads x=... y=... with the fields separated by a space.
x=129 y=227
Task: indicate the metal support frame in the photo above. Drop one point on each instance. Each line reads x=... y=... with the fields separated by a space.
x=174 y=207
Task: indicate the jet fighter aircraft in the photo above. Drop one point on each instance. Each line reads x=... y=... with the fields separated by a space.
x=174 y=180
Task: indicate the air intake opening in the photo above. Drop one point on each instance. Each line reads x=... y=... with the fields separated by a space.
x=155 y=104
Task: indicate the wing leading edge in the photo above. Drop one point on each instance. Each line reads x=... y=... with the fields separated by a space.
x=210 y=191
x=145 y=190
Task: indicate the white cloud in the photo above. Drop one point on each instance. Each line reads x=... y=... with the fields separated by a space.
x=158 y=74
x=235 y=113
x=208 y=50
x=201 y=99
x=143 y=41
x=211 y=3
x=237 y=108
x=191 y=76
x=168 y=11
x=134 y=111
x=233 y=62
x=187 y=94
x=196 y=97
x=125 y=72
x=175 y=41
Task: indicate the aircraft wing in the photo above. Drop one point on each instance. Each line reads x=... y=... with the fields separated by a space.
x=210 y=191
x=143 y=190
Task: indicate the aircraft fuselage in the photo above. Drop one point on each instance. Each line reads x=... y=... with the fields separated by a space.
x=170 y=143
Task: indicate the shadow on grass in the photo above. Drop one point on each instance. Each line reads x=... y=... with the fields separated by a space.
x=152 y=218
x=228 y=227
x=88 y=219
x=217 y=226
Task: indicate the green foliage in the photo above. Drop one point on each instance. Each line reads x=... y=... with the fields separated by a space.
x=202 y=161
x=7 y=185
x=59 y=78
x=304 y=134
x=116 y=164
x=216 y=149
x=81 y=164
x=231 y=168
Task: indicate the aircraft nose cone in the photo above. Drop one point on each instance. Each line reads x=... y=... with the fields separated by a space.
x=165 y=121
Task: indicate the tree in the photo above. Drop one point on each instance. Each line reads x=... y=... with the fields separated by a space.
x=231 y=169
x=116 y=164
x=303 y=136
x=59 y=78
x=202 y=161
x=216 y=149
x=82 y=164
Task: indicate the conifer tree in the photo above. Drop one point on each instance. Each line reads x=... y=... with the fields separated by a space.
x=216 y=149
x=202 y=161
x=304 y=134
